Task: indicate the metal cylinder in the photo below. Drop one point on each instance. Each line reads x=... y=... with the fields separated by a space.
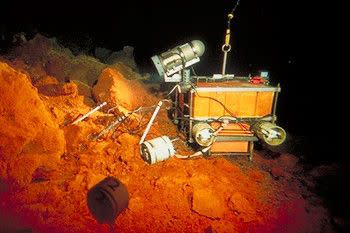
x=203 y=134
x=157 y=149
x=270 y=133
x=150 y=122
x=107 y=199
x=178 y=58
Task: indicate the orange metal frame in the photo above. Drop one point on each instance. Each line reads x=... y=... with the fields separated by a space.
x=244 y=101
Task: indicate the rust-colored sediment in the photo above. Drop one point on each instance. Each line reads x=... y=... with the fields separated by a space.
x=47 y=166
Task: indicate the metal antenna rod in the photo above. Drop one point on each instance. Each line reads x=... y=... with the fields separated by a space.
x=89 y=113
x=150 y=122
x=112 y=125
x=224 y=63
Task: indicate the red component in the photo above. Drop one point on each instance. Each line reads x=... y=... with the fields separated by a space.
x=257 y=80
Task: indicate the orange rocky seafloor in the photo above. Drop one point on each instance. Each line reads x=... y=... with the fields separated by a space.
x=47 y=166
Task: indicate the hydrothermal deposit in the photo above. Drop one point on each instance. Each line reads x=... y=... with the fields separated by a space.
x=47 y=165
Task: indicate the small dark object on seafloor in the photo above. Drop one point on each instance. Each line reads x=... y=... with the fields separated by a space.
x=107 y=199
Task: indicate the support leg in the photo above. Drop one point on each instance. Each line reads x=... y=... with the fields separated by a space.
x=251 y=151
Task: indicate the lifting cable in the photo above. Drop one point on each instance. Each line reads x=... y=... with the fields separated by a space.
x=226 y=47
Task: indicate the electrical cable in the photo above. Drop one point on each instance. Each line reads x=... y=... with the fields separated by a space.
x=219 y=102
x=194 y=72
x=235 y=7
x=137 y=128
x=120 y=120
x=203 y=150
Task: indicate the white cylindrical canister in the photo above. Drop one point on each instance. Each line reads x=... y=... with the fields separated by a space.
x=157 y=149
